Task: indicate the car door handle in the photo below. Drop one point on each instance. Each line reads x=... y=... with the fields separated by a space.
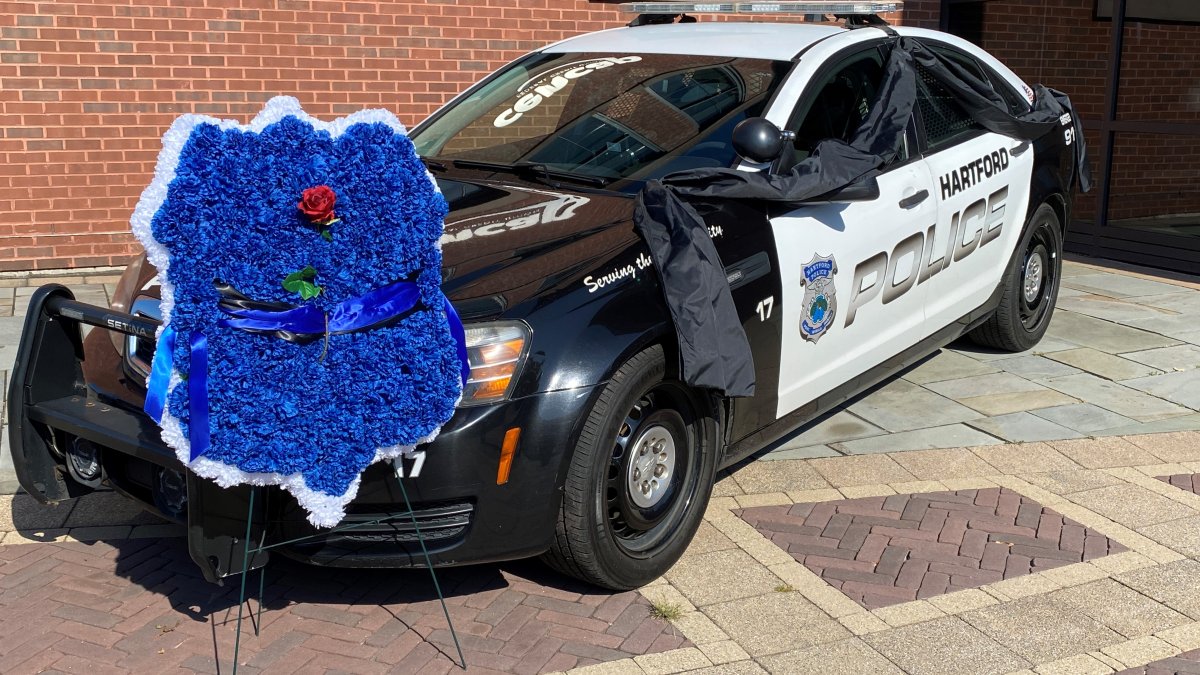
x=1020 y=149
x=914 y=199
x=744 y=271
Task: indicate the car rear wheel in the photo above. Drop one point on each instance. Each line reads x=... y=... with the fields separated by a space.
x=1030 y=288
x=639 y=479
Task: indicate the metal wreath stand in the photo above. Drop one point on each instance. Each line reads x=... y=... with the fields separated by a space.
x=262 y=546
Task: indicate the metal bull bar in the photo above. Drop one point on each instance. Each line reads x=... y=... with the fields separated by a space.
x=48 y=392
x=50 y=408
x=58 y=305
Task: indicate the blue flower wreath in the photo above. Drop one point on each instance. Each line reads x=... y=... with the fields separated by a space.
x=223 y=209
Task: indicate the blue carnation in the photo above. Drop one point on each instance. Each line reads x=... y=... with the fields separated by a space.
x=230 y=215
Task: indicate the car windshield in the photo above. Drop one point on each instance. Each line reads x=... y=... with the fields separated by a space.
x=608 y=116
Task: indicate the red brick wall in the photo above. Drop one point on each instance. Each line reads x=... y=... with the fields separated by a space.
x=1058 y=43
x=88 y=87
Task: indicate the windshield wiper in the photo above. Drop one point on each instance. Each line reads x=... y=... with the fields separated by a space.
x=433 y=164
x=535 y=168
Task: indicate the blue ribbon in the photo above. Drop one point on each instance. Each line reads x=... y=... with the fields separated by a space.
x=352 y=314
x=198 y=436
x=160 y=374
x=160 y=379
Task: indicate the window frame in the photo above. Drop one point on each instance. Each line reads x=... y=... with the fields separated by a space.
x=993 y=78
x=911 y=140
x=999 y=84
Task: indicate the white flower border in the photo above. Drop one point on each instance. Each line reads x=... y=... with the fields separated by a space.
x=324 y=510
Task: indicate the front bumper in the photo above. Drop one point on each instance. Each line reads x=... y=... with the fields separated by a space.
x=464 y=516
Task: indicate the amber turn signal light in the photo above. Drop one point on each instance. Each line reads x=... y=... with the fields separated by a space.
x=507 y=450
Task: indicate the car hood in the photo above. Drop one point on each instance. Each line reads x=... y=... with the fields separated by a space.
x=506 y=242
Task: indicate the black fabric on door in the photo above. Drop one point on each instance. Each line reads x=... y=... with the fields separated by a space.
x=713 y=350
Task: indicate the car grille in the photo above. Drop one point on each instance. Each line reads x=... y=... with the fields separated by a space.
x=437 y=522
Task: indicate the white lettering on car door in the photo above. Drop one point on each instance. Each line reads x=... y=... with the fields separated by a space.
x=983 y=192
x=881 y=274
x=864 y=330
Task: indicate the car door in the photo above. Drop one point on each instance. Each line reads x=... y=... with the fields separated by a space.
x=981 y=184
x=848 y=269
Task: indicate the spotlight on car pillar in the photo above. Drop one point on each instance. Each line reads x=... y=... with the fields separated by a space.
x=83 y=463
x=758 y=140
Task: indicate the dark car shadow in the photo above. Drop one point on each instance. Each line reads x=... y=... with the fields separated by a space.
x=962 y=344
x=162 y=566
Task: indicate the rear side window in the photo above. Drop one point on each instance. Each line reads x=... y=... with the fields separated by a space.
x=942 y=116
x=1016 y=102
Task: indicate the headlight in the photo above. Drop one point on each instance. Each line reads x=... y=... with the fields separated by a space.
x=127 y=286
x=139 y=351
x=496 y=352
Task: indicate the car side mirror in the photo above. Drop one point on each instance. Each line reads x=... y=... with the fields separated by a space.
x=757 y=139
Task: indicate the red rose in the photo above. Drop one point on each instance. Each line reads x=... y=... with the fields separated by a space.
x=317 y=203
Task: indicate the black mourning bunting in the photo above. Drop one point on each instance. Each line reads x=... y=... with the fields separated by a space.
x=713 y=350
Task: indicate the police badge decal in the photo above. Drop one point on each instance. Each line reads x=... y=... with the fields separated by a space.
x=820 y=302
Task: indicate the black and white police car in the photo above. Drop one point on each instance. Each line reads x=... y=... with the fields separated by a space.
x=577 y=438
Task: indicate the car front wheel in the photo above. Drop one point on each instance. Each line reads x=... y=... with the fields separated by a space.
x=1030 y=288
x=639 y=479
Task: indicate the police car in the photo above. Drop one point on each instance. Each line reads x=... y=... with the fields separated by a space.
x=577 y=439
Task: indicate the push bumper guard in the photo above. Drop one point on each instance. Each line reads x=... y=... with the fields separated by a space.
x=464 y=515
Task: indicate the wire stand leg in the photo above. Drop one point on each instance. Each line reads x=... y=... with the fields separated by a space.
x=429 y=564
x=237 y=638
x=262 y=583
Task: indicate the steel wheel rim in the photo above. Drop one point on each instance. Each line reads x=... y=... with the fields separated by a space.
x=640 y=524
x=1039 y=276
x=652 y=466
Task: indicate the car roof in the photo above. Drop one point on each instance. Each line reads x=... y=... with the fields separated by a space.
x=774 y=41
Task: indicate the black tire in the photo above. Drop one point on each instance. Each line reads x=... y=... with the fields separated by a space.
x=1025 y=311
x=603 y=535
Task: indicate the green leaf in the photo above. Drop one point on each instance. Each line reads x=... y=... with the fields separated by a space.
x=327 y=235
x=309 y=290
x=301 y=282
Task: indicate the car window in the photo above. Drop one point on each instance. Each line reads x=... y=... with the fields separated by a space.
x=608 y=115
x=1016 y=103
x=842 y=102
x=942 y=116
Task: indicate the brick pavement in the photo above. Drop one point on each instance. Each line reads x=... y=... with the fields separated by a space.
x=1184 y=481
x=132 y=602
x=1187 y=663
x=140 y=606
x=883 y=551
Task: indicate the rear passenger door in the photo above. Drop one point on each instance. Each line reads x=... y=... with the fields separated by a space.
x=981 y=183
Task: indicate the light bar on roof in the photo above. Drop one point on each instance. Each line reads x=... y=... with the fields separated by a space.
x=762 y=7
